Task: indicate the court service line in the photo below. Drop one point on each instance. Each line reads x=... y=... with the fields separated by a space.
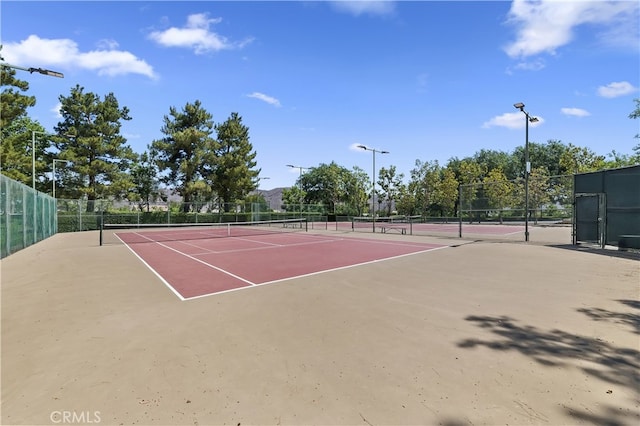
x=272 y=247
x=200 y=261
x=315 y=273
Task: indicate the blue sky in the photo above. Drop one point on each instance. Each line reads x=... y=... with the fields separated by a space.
x=427 y=80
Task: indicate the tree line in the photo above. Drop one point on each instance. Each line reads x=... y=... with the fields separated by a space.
x=203 y=161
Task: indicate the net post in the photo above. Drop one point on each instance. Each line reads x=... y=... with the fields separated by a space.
x=101 y=228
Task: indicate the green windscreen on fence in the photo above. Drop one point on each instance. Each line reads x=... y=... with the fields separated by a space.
x=26 y=216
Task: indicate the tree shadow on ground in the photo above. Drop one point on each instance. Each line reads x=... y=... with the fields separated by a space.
x=621 y=318
x=616 y=366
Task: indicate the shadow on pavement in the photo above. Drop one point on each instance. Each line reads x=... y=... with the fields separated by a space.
x=632 y=255
x=611 y=364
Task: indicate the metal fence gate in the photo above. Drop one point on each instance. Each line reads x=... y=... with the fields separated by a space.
x=590 y=219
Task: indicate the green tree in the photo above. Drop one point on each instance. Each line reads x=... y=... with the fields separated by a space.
x=13 y=103
x=16 y=152
x=146 y=188
x=406 y=203
x=389 y=183
x=358 y=189
x=326 y=184
x=499 y=191
x=13 y=106
x=635 y=114
x=490 y=159
x=580 y=160
x=469 y=174
x=545 y=155
x=187 y=152
x=423 y=182
x=233 y=175
x=89 y=137
x=292 y=197
x=539 y=190
x=446 y=193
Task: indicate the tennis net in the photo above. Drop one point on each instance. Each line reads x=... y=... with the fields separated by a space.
x=112 y=233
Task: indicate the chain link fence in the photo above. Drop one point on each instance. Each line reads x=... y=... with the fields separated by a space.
x=26 y=216
x=87 y=215
x=550 y=200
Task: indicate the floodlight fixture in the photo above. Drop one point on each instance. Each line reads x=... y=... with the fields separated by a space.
x=301 y=169
x=46 y=72
x=31 y=70
x=519 y=105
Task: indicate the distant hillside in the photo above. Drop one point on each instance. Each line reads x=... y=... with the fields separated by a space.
x=273 y=197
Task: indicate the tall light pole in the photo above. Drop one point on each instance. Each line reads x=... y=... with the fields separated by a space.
x=301 y=169
x=373 y=182
x=528 y=119
x=54 y=174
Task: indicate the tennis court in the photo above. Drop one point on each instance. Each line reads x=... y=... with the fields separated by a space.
x=199 y=260
x=481 y=332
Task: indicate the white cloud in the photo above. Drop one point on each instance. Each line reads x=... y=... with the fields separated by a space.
x=510 y=120
x=615 y=89
x=107 y=44
x=535 y=65
x=64 y=54
x=362 y=7
x=265 y=98
x=545 y=25
x=56 y=110
x=575 y=112
x=196 y=35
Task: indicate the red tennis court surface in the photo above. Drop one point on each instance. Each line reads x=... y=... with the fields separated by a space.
x=197 y=268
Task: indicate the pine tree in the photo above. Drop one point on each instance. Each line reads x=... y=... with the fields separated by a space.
x=89 y=139
x=188 y=151
x=233 y=175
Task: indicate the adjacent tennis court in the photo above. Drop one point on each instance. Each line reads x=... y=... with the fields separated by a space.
x=196 y=260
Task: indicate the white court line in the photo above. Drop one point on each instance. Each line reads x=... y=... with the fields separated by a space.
x=322 y=240
x=190 y=257
x=273 y=247
x=153 y=270
x=270 y=245
x=314 y=273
